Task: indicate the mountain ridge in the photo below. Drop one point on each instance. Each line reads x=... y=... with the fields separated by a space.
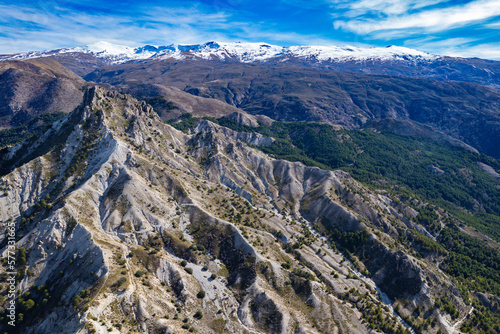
x=391 y=60
x=466 y=111
x=76 y=210
x=36 y=86
x=246 y=52
x=157 y=205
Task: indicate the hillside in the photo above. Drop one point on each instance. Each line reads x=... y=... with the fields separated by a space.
x=464 y=111
x=29 y=89
x=249 y=188
x=127 y=224
x=345 y=86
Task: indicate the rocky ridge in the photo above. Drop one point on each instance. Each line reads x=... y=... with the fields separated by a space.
x=126 y=220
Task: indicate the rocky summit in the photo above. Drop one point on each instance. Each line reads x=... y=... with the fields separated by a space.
x=187 y=201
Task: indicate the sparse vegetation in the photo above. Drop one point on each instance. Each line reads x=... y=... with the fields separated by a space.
x=119 y=283
x=184 y=122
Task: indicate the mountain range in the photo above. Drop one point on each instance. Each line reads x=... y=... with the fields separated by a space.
x=250 y=188
x=391 y=60
x=246 y=52
x=307 y=83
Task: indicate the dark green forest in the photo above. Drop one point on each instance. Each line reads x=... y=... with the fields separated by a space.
x=35 y=127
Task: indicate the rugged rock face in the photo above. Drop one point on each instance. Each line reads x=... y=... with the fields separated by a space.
x=129 y=225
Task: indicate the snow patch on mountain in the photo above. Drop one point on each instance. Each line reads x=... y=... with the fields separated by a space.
x=325 y=53
x=107 y=49
x=244 y=52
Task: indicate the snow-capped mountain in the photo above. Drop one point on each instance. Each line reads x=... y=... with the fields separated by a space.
x=391 y=60
x=245 y=52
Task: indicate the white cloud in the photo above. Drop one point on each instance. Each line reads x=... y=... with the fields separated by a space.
x=51 y=30
x=157 y=25
x=381 y=7
x=495 y=25
x=357 y=8
x=485 y=51
x=431 y=20
x=455 y=47
x=435 y=45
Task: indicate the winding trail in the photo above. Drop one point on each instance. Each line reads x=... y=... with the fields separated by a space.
x=452 y=328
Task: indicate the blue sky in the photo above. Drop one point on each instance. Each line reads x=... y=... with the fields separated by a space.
x=457 y=28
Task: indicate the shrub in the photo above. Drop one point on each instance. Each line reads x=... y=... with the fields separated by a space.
x=198 y=315
x=183 y=263
x=139 y=273
x=201 y=294
x=77 y=300
x=119 y=282
x=27 y=305
x=304 y=274
x=189 y=270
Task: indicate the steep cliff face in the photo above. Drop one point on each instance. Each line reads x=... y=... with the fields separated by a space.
x=129 y=225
